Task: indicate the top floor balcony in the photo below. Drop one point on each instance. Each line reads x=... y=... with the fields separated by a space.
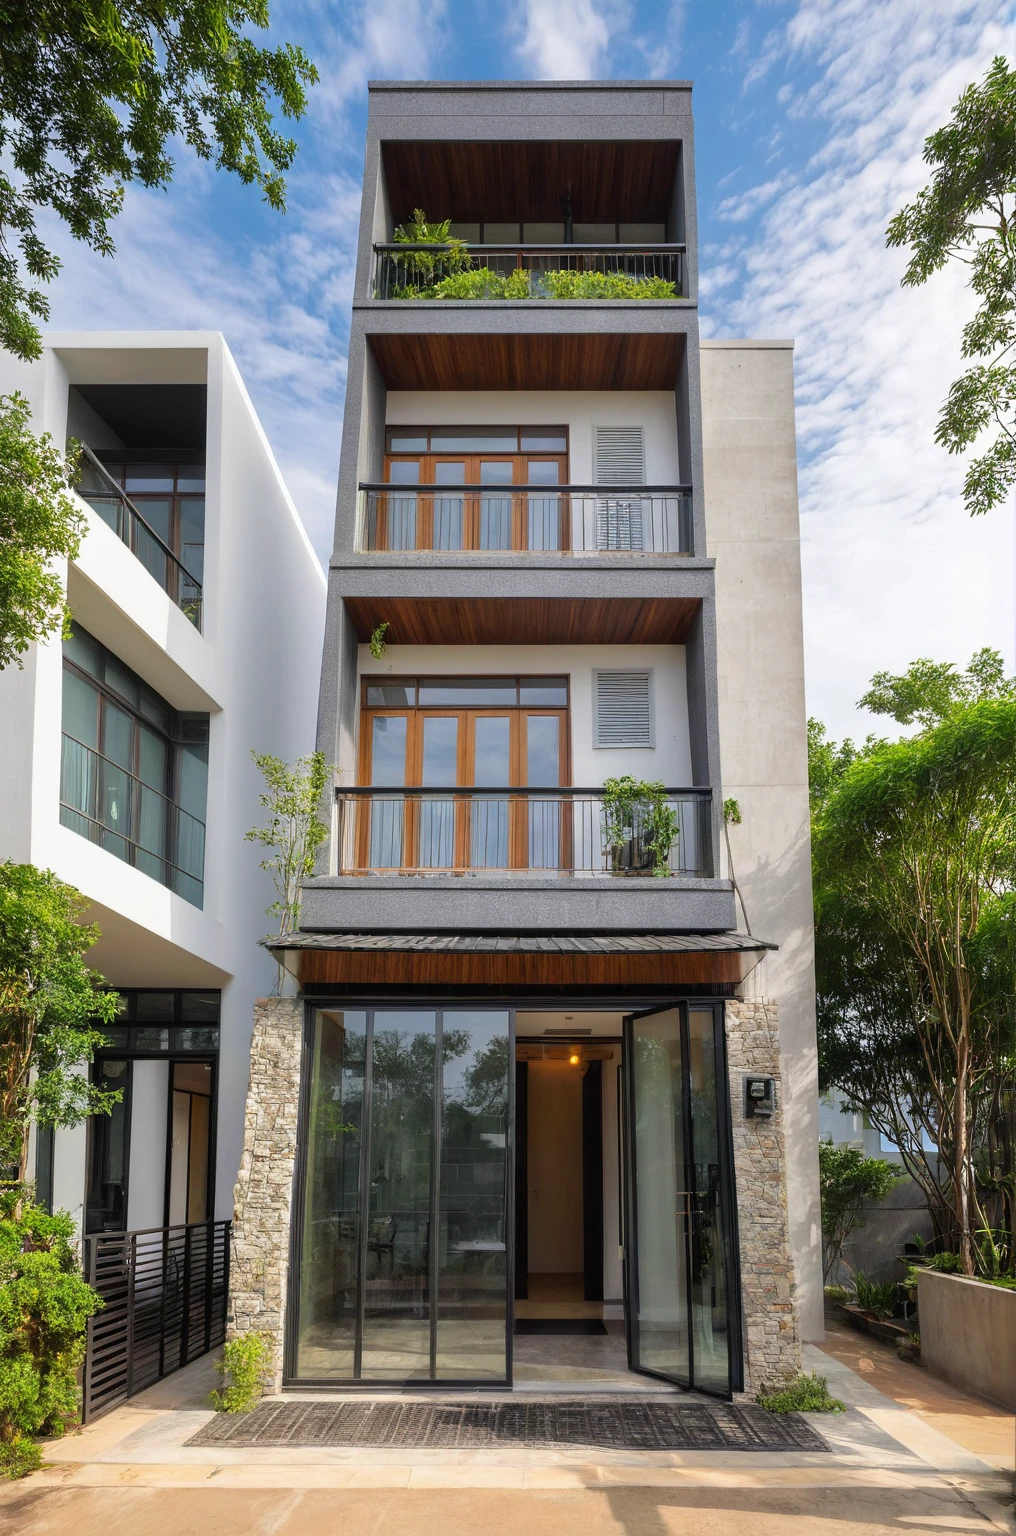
x=452 y=271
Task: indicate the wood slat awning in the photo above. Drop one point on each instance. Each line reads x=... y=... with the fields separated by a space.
x=522 y=359
x=524 y=960
x=526 y=620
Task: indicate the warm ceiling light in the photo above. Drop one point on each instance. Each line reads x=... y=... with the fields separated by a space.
x=574 y=1059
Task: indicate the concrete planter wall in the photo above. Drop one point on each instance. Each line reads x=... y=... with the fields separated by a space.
x=968 y=1334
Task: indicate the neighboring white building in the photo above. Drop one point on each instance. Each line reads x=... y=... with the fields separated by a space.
x=125 y=753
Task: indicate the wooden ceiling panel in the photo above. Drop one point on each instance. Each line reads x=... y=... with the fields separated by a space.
x=628 y=180
x=525 y=620
x=436 y=969
x=519 y=361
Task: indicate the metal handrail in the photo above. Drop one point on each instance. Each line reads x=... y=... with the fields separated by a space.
x=185 y=603
x=396 y=270
x=137 y=789
x=540 y=248
x=607 y=491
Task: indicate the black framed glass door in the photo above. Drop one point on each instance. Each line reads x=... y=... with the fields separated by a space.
x=682 y=1291
x=401 y=1249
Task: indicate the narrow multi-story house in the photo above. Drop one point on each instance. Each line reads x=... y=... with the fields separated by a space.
x=197 y=607
x=557 y=1105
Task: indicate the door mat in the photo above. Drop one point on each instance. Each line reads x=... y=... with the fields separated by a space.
x=639 y=1425
x=559 y=1325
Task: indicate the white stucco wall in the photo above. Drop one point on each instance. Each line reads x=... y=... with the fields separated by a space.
x=750 y=473
x=669 y=760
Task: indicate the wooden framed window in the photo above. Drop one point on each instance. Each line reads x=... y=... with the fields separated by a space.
x=484 y=488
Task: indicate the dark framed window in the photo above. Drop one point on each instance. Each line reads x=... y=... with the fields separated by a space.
x=170 y=496
x=134 y=771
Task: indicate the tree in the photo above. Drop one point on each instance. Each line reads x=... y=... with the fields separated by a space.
x=92 y=95
x=966 y=214
x=848 y=1181
x=914 y=863
x=39 y=523
x=52 y=1008
x=295 y=830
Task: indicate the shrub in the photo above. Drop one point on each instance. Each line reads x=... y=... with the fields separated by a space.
x=877 y=1296
x=44 y=1306
x=481 y=283
x=807 y=1393
x=246 y=1360
x=837 y=1293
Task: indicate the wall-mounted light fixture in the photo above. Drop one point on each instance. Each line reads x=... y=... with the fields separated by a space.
x=759 y=1098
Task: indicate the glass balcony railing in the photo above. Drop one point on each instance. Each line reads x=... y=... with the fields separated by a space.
x=97 y=487
x=103 y=802
x=566 y=519
x=569 y=832
x=403 y=271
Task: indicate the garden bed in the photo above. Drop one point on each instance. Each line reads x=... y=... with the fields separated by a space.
x=884 y=1328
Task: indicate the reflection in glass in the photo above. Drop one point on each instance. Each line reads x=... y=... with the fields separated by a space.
x=544 y=511
x=708 y=1254
x=437 y=817
x=449 y=508
x=496 y=511
x=402 y=506
x=328 y=1258
x=388 y=767
x=660 y=1324
x=543 y=753
x=489 y=831
x=472 y=1253
x=396 y=1299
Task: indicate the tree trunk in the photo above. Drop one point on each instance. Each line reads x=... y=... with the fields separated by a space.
x=961 y=1160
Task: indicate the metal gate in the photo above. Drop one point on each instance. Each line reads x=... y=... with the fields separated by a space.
x=165 y=1292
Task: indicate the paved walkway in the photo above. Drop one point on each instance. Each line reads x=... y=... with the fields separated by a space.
x=890 y=1468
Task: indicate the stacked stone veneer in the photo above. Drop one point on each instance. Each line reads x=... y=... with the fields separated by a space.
x=772 y=1340
x=263 y=1197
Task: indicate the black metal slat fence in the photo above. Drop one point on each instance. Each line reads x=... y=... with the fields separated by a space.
x=165 y=1293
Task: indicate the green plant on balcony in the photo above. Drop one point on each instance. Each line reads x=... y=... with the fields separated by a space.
x=482 y=283
x=426 y=267
x=640 y=826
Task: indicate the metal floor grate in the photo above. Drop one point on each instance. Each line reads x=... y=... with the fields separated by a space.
x=643 y=1425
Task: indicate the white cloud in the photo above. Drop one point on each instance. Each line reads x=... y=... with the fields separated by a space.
x=566 y=40
x=893 y=566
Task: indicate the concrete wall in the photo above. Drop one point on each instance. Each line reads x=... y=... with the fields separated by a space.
x=750 y=465
x=968 y=1334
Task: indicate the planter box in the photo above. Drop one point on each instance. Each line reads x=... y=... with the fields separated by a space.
x=878 y=1327
x=968 y=1334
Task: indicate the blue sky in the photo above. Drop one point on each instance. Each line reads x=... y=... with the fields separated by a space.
x=810 y=117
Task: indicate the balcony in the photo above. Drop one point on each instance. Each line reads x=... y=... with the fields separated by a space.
x=570 y=520
x=98 y=488
x=496 y=272
x=102 y=801
x=517 y=832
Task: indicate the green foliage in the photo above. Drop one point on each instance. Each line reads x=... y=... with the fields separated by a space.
x=848 y=1181
x=377 y=640
x=914 y=847
x=481 y=283
x=44 y=1305
x=40 y=521
x=637 y=811
x=732 y=812
x=92 y=96
x=879 y=1297
x=246 y=1360
x=295 y=830
x=807 y=1393
x=837 y=1293
x=426 y=267
x=52 y=1008
x=966 y=215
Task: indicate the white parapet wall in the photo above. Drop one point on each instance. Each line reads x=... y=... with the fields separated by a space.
x=968 y=1334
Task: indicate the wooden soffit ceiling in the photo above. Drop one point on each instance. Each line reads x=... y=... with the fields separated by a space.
x=527 y=361
x=525 y=620
x=399 y=968
x=629 y=180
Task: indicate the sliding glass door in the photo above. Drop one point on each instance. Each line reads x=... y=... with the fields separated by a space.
x=402 y=1243
x=680 y=1279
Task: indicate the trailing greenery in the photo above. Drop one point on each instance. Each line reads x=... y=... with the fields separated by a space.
x=295 y=830
x=246 y=1360
x=377 y=640
x=837 y=1293
x=880 y=1297
x=966 y=214
x=849 y=1181
x=91 y=98
x=637 y=815
x=52 y=1009
x=40 y=522
x=44 y=1306
x=914 y=847
x=807 y=1393
x=425 y=267
x=481 y=283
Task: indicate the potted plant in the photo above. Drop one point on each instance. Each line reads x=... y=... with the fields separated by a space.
x=640 y=826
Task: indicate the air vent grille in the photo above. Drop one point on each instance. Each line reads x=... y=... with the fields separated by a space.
x=623 y=709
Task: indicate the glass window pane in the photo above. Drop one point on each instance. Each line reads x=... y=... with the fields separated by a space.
x=327 y=1323
x=154 y=1007
x=549 y=692
x=406 y=441
x=200 y=1007
x=156 y=709
x=474 y=439
x=150 y=1038
x=708 y=1245
x=451 y=473
x=396 y=1285
x=388 y=750
x=544 y=440
x=543 y=750
x=80 y=710
x=404 y=472
x=83 y=651
x=195 y=1039
x=192 y=535
x=117 y=735
x=192 y=771
x=153 y=759
x=467 y=690
x=472 y=1250
x=391 y=693
x=489 y=816
x=150 y=477
x=437 y=816
x=190 y=477
x=543 y=472
x=440 y=750
x=121 y=679
x=496 y=472
x=157 y=513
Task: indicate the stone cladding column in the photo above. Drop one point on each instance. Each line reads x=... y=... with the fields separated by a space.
x=772 y=1337
x=263 y=1196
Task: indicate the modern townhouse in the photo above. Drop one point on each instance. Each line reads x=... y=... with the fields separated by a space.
x=541 y=1071
x=125 y=765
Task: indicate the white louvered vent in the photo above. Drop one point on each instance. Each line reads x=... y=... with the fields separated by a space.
x=620 y=454
x=623 y=709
